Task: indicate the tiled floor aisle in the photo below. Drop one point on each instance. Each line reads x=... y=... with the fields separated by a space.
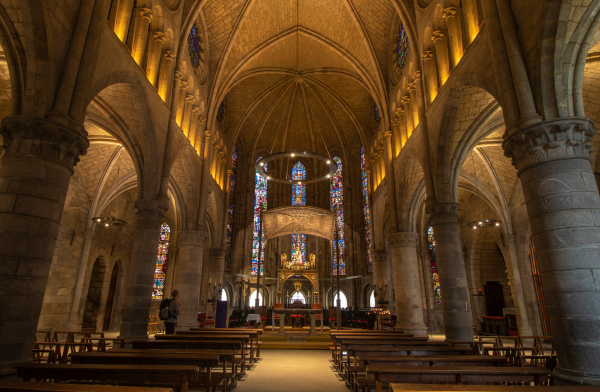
x=292 y=371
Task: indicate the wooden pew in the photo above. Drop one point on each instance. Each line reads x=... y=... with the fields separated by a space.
x=166 y=374
x=244 y=339
x=342 y=343
x=253 y=334
x=202 y=361
x=483 y=388
x=19 y=386
x=62 y=350
x=369 y=335
x=363 y=360
x=197 y=345
x=453 y=374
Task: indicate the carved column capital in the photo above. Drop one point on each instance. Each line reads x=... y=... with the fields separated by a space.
x=44 y=139
x=178 y=75
x=183 y=85
x=196 y=110
x=387 y=134
x=406 y=99
x=400 y=111
x=546 y=141
x=146 y=13
x=403 y=240
x=416 y=75
x=411 y=86
x=449 y=12
x=158 y=36
x=216 y=253
x=170 y=55
x=191 y=238
x=189 y=98
x=437 y=35
x=443 y=213
x=395 y=122
x=427 y=55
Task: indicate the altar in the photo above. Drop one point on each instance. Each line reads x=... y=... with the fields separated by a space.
x=312 y=313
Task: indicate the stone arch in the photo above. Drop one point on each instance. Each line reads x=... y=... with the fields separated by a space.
x=16 y=60
x=114 y=276
x=93 y=302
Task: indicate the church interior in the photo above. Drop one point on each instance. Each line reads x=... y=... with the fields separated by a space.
x=366 y=190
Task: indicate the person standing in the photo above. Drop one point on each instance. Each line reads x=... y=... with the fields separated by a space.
x=171 y=321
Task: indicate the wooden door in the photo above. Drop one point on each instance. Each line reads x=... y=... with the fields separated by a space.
x=111 y=297
x=494 y=298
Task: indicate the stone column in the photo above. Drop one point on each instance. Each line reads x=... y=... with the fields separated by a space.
x=158 y=39
x=124 y=11
x=218 y=167
x=187 y=114
x=170 y=275
x=379 y=268
x=441 y=55
x=36 y=169
x=402 y=120
x=408 y=116
x=456 y=305
x=188 y=276
x=396 y=136
x=409 y=308
x=214 y=160
x=553 y=163
x=376 y=170
x=141 y=34
x=382 y=165
x=205 y=178
x=224 y=178
x=428 y=279
x=200 y=136
x=165 y=74
x=430 y=75
x=454 y=35
x=181 y=102
x=76 y=316
x=412 y=91
x=471 y=19
x=418 y=87
x=194 y=125
x=136 y=310
x=391 y=181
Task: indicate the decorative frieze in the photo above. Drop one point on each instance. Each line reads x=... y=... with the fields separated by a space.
x=443 y=213
x=403 y=240
x=192 y=238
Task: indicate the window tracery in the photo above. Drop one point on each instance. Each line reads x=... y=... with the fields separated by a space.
x=365 y=191
x=376 y=113
x=260 y=203
x=436 y=277
x=401 y=49
x=161 y=263
x=195 y=46
x=299 y=199
x=230 y=211
x=336 y=194
x=221 y=112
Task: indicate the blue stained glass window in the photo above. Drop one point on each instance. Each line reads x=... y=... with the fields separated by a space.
x=195 y=46
x=161 y=263
x=365 y=190
x=260 y=202
x=230 y=211
x=376 y=114
x=299 y=199
x=221 y=112
x=436 y=277
x=401 y=47
x=336 y=195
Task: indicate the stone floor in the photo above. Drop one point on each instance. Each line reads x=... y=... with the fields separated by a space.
x=292 y=371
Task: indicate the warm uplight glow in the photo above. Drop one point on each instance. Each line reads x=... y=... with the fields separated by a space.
x=328 y=162
x=262 y=164
x=293 y=155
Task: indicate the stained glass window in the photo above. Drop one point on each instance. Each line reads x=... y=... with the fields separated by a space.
x=336 y=194
x=376 y=114
x=195 y=46
x=401 y=47
x=299 y=199
x=436 y=277
x=365 y=191
x=260 y=202
x=221 y=112
x=230 y=211
x=161 y=263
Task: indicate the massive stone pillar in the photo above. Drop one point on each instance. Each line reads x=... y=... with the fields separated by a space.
x=158 y=39
x=553 y=163
x=453 y=276
x=76 y=316
x=471 y=19
x=379 y=268
x=188 y=274
x=36 y=170
x=430 y=76
x=136 y=310
x=454 y=35
x=141 y=34
x=409 y=307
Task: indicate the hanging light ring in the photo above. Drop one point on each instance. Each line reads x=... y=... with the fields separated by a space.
x=484 y=223
x=329 y=162
x=108 y=221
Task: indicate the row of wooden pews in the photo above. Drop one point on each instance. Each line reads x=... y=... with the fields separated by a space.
x=206 y=358
x=375 y=359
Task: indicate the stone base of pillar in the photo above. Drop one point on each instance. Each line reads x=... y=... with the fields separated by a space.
x=564 y=377
x=417 y=330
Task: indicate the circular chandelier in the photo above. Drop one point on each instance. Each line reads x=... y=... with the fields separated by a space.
x=261 y=163
x=109 y=220
x=481 y=223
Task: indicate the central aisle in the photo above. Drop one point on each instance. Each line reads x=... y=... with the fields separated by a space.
x=292 y=371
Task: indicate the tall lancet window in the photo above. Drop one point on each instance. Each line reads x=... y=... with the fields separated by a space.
x=230 y=211
x=161 y=262
x=260 y=203
x=365 y=190
x=299 y=199
x=336 y=194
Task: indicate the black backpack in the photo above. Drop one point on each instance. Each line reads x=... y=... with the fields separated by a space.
x=164 y=312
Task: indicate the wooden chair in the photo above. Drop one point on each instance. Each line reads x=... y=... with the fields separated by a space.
x=318 y=318
x=204 y=321
x=45 y=335
x=262 y=310
x=332 y=316
x=278 y=306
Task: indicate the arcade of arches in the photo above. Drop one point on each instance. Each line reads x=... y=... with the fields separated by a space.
x=437 y=112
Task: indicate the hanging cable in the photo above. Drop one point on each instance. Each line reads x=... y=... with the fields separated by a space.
x=476 y=184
